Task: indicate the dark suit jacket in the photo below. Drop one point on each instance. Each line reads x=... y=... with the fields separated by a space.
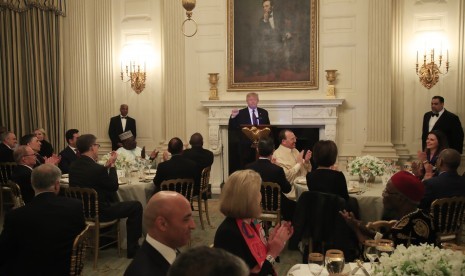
x=203 y=158
x=328 y=181
x=86 y=173
x=229 y=237
x=270 y=172
x=177 y=167
x=243 y=118
x=6 y=154
x=37 y=238
x=450 y=125
x=116 y=128
x=22 y=176
x=148 y=262
x=446 y=184
x=67 y=157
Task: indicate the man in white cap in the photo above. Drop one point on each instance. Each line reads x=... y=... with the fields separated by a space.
x=130 y=150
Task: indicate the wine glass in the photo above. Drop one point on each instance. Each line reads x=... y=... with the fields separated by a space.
x=365 y=173
x=385 y=246
x=334 y=261
x=316 y=263
x=371 y=251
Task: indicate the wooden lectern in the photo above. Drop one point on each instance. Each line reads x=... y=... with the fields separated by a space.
x=254 y=133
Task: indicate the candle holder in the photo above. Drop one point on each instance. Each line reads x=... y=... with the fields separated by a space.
x=429 y=72
x=331 y=89
x=213 y=79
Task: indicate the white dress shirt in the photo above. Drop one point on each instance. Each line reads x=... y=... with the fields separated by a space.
x=434 y=119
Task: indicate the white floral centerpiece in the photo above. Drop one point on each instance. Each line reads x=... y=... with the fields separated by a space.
x=421 y=260
x=122 y=162
x=375 y=165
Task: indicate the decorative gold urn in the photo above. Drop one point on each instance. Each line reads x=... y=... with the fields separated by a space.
x=213 y=79
x=331 y=77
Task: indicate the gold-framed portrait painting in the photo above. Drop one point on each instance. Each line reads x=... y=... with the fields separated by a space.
x=272 y=44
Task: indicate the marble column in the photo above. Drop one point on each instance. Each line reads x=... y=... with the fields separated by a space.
x=461 y=64
x=173 y=71
x=379 y=80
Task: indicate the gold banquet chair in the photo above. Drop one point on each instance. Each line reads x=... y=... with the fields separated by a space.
x=15 y=192
x=447 y=215
x=271 y=203
x=203 y=196
x=184 y=186
x=89 y=199
x=6 y=169
x=78 y=253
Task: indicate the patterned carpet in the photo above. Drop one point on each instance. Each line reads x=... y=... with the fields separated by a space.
x=110 y=264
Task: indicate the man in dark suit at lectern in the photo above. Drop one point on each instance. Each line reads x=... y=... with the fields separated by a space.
x=240 y=152
x=119 y=124
x=447 y=122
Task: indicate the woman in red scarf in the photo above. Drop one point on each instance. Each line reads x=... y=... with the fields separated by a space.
x=240 y=233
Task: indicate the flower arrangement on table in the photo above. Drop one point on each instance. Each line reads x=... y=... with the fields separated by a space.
x=375 y=165
x=421 y=260
x=122 y=162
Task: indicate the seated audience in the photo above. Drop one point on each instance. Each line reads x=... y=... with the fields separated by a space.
x=177 y=167
x=202 y=157
x=7 y=145
x=168 y=220
x=435 y=143
x=402 y=195
x=448 y=183
x=270 y=172
x=26 y=160
x=130 y=149
x=46 y=149
x=70 y=153
x=324 y=179
x=240 y=233
x=87 y=173
x=294 y=163
x=32 y=141
x=37 y=238
x=206 y=261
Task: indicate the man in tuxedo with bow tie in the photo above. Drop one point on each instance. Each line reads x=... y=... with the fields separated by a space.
x=240 y=152
x=447 y=122
x=119 y=124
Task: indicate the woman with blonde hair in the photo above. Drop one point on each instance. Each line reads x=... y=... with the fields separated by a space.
x=240 y=233
x=46 y=149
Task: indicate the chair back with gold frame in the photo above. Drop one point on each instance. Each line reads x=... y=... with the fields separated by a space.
x=203 y=196
x=15 y=192
x=89 y=199
x=78 y=253
x=6 y=170
x=184 y=186
x=448 y=215
x=271 y=202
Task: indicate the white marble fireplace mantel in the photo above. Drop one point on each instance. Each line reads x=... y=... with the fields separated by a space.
x=306 y=113
x=321 y=113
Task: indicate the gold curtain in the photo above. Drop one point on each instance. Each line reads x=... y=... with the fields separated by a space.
x=31 y=77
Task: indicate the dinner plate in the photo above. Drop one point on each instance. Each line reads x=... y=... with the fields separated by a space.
x=64 y=180
x=122 y=182
x=354 y=190
x=65 y=175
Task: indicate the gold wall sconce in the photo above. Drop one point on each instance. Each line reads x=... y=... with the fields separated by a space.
x=189 y=5
x=134 y=73
x=430 y=70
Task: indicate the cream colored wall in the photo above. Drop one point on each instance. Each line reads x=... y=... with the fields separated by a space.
x=177 y=80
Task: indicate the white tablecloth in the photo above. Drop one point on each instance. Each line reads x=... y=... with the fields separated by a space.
x=303 y=270
x=370 y=202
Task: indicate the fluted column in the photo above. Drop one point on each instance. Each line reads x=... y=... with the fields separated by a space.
x=173 y=70
x=398 y=82
x=461 y=64
x=379 y=80
x=103 y=65
x=76 y=64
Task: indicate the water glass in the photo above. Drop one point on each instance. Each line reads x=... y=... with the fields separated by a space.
x=334 y=260
x=316 y=263
x=371 y=251
x=385 y=246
